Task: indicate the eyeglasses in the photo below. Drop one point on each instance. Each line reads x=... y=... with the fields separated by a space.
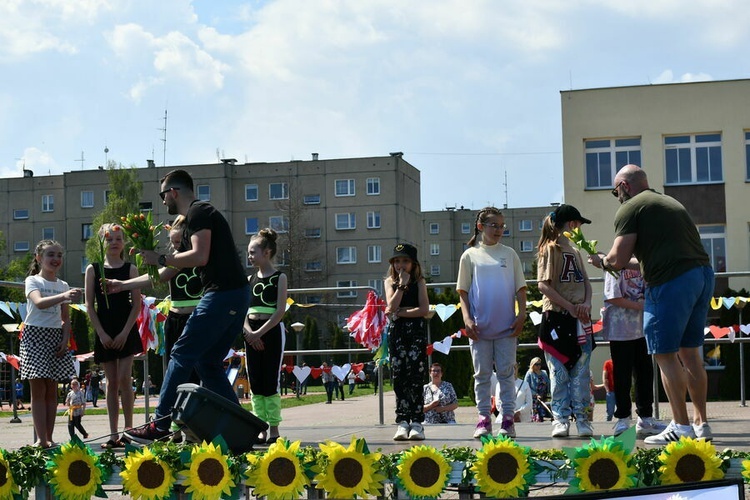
x=615 y=191
x=164 y=193
x=436 y=371
x=494 y=225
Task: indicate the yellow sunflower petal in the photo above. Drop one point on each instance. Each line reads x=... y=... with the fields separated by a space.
x=349 y=472
x=208 y=477
x=145 y=476
x=8 y=486
x=500 y=468
x=423 y=472
x=75 y=474
x=689 y=460
x=278 y=473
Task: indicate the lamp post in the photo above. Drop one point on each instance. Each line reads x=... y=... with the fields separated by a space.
x=298 y=327
x=12 y=329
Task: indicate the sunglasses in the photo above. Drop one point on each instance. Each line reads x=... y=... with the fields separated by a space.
x=494 y=225
x=615 y=191
x=164 y=193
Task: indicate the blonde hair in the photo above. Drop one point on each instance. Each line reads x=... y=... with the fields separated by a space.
x=550 y=233
x=109 y=227
x=482 y=217
x=266 y=238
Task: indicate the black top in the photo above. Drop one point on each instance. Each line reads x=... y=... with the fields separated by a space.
x=410 y=296
x=113 y=319
x=224 y=270
x=264 y=293
x=186 y=285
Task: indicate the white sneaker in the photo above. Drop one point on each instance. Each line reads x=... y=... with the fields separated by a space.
x=648 y=427
x=560 y=428
x=416 y=432
x=703 y=431
x=670 y=434
x=622 y=425
x=402 y=432
x=584 y=428
x=484 y=427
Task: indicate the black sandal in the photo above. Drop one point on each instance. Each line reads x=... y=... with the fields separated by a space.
x=272 y=439
x=109 y=444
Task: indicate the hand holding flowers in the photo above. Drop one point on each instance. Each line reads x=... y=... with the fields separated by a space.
x=143 y=235
x=589 y=246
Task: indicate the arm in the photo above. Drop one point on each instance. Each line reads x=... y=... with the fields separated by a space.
x=469 y=325
x=90 y=280
x=517 y=324
x=419 y=311
x=393 y=296
x=197 y=256
x=66 y=297
x=620 y=255
x=135 y=309
x=142 y=281
x=605 y=382
x=451 y=401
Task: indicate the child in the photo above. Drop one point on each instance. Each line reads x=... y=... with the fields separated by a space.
x=117 y=339
x=490 y=284
x=76 y=401
x=566 y=308
x=407 y=305
x=264 y=332
x=45 y=358
x=608 y=381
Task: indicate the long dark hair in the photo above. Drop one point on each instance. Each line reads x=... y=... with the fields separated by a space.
x=482 y=217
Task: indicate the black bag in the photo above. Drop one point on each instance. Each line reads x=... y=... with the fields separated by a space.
x=558 y=336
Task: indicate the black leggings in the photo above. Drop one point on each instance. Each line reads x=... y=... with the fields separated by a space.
x=263 y=367
x=630 y=359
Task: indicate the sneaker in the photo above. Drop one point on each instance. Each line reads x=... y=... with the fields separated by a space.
x=560 y=428
x=484 y=427
x=622 y=425
x=703 y=431
x=402 y=432
x=507 y=428
x=147 y=434
x=670 y=434
x=648 y=426
x=584 y=428
x=416 y=432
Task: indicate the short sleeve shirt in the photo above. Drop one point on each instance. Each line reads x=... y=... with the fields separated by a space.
x=620 y=323
x=562 y=266
x=50 y=317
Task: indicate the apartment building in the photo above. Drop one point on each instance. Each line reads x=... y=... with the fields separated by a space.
x=693 y=140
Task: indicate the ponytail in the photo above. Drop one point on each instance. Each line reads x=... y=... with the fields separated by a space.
x=481 y=218
x=550 y=233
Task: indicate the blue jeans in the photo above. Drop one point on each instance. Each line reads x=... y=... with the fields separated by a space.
x=208 y=335
x=610 y=399
x=571 y=389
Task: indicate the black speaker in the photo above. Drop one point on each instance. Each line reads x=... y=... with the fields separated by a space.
x=203 y=414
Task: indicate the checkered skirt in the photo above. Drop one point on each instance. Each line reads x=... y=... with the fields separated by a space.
x=38 y=358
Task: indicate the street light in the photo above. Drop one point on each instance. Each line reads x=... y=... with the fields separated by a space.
x=298 y=327
x=12 y=328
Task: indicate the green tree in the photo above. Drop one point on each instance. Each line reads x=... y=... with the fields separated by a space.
x=16 y=270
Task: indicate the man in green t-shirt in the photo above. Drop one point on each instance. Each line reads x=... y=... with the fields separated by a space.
x=658 y=231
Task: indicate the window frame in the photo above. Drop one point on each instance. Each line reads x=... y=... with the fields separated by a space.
x=84 y=196
x=434 y=248
x=434 y=228
x=350 y=190
x=284 y=191
x=257 y=225
x=21 y=246
x=249 y=187
x=310 y=232
x=201 y=196
x=526 y=246
x=348 y=294
x=314 y=266
x=45 y=236
x=466 y=228
x=90 y=227
x=596 y=147
x=694 y=147
x=525 y=225
x=708 y=233
x=352 y=255
x=373 y=186
x=279 y=223
x=351 y=221
x=433 y=268
x=311 y=199
x=48 y=203
x=21 y=214
x=374 y=254
x=373 y=219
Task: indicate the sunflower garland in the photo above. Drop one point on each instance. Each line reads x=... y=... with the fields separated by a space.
x=75 y=472
x=147 y=476
x=503 y=468
x=8 y=486
x=689 y=460
x=348 y=472
x=278 y=473
x=208 y=476
x=603 y=465
x=423 y=472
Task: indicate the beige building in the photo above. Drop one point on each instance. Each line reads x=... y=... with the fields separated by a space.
x=693 y=140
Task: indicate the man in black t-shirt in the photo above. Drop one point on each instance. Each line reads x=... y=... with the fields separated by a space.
x=218 y=317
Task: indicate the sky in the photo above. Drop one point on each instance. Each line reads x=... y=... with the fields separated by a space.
x=468 y=90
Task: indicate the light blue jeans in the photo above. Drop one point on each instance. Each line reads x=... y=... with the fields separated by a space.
x=570 y=389
x=499 y=354
x=209 y=333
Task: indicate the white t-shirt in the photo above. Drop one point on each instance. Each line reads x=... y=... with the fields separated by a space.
x=50 y=317
x=491 y=275
x=620 y=323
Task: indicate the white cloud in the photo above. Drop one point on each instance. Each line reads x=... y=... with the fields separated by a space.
x=667 y=76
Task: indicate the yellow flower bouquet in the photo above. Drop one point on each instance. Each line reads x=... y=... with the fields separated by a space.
x=588 y=246
x=143 y=234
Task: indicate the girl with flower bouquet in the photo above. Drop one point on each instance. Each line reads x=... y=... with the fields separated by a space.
x=113 y=319
x=143 y=235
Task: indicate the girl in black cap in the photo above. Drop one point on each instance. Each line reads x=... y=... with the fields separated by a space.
x=407 y=305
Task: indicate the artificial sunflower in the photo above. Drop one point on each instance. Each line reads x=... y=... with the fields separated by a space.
x=603 y=465
x=503 y=468
x=423 y=472
x=689 y=460
x=746 y=470
x=76 y=472
x=348 y=472
x=208 y=476
x=8 y=487
x=278 y=474
x=145 y=476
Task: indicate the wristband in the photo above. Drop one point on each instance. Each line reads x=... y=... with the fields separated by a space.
x=403 y=288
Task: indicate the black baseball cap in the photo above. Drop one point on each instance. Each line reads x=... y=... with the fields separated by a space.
x=405 y=250
x=566 y=213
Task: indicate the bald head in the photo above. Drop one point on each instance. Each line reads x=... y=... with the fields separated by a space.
x=635 y=178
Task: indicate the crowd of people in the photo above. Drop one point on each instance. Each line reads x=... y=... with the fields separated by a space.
x=660 y=312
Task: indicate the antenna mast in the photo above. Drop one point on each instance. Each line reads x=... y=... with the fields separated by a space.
x=164 y=140
x=505 y=184
x=81 y=159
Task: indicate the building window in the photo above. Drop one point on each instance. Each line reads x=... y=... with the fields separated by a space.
x=747 y=156
x=435 y=270
x=346 y=221
x=21 y=246
x=604 y=157
x=251 y=225
x=48 y=203
x=346 y=255
x=527 y=246
x=465 y=228
x=374 y=253
x=278 y=191
x=84 y=264
x=86 y=231
x=373 y=220
x=507 y=231
x=283 y=258
x=347 y=293
x=714 y=242
x=279 y=223
x=314 y=267
x=48 y=233
x=251 y=192
x=145 y=207
x=377 y=285
x=106 y=194
x=373 y=186
x=87 y=199
x=311 y=199
x=524 y=225
x=693 y=159
x=344 y=187
x=21 y=213
x=434 y=228
x=312 y=232
x=203 y=192
x=434 y=248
